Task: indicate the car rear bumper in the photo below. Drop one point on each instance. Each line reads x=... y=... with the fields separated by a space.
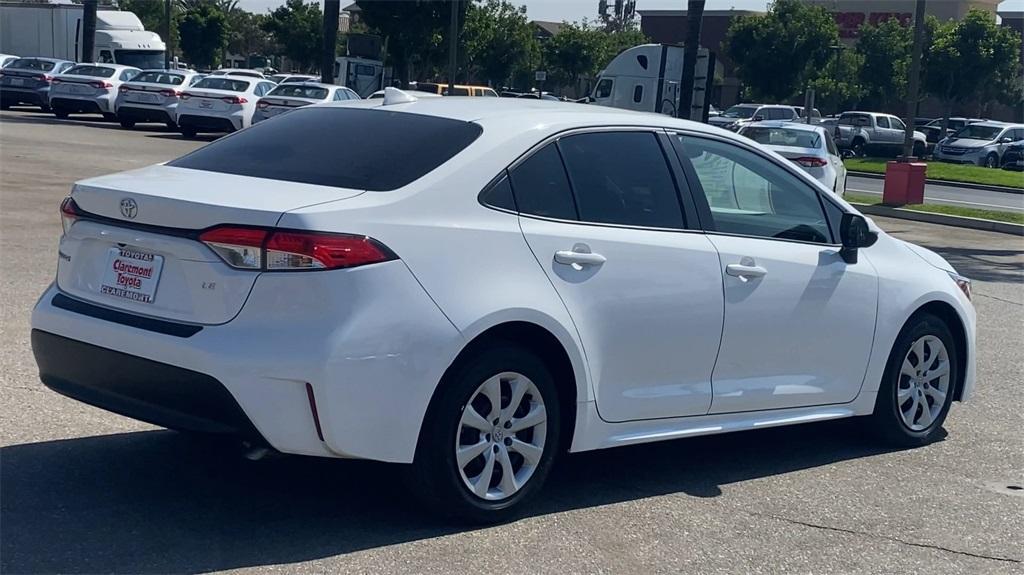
x=207 y=123
x=141 y=114
x=35 y=97
x=367 y=345
x=80 y=105
x=139 y=388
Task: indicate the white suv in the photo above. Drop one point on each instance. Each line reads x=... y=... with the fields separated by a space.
x=472 y=286
x=221 y=103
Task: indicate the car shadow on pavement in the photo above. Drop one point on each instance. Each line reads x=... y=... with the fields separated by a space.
x=94 y=121
x=991 y=265
x=163 y=502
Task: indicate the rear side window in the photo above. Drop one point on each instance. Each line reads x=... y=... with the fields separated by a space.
x=316 y=147
x=222 y=83
x=621 y=178
x=541 y=187
x=94 y=71
x=31 y=64
x=882 y=122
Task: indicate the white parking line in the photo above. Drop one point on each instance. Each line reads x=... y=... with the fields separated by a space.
x=943 y=200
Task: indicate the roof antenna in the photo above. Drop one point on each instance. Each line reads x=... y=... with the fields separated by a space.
x=396 y=96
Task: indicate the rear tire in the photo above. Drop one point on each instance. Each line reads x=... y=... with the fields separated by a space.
x=109 y=117
x=60 y=114
x=858 y=148
x=5 y=106
x=919 y=150
x=171 y=126
x=188 y=131
x=460 y=408
x=44 y=109
x=918 y=385
x=127 y=124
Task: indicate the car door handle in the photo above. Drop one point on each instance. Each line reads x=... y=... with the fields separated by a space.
x=570 y=257
x=745 y=272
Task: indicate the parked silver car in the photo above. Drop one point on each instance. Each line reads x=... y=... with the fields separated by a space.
x=983 y=143
x=28 y=81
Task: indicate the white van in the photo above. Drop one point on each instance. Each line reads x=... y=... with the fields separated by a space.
x=647 y=77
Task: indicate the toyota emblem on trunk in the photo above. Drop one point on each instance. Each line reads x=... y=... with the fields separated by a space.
x=129 y=208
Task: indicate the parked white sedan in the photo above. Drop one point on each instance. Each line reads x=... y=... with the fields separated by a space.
x=220 y=103
x=809 y=146
x=287 y=96
x=152 y=96
x=472 y=286
x=89 y=89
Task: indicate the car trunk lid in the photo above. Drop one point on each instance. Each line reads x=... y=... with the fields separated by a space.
x=135 y=247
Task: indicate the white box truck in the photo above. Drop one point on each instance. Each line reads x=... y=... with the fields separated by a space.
x=54 y=30
x=364 y=75
x=647 y=77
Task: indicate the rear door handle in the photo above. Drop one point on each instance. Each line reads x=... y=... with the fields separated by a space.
x=745 y=272
x=579 y=258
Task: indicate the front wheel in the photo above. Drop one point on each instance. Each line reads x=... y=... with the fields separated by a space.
x=992 y=161
x=918 y=385
x=490 y=436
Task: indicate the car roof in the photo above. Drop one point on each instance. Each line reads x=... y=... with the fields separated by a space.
x=169 y=71
x=994 y=124
x=532 y=112
x=786 y=124
x=309 y=84
x=41 y=59
x=106 y=65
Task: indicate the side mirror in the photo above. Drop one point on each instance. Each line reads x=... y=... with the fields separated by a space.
x=854 y=234
x=1005 y=140
x=759 y=118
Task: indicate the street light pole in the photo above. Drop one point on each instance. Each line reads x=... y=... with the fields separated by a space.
x=914 y=82
x=694 y=22
x=330 y=38
x=453 y=46
x=168 y=44
x=89 y=31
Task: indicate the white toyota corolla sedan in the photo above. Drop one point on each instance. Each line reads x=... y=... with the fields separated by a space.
x=483 y=284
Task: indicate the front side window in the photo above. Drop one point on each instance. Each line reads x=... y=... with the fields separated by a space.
x=897 y=124
x=541 y=187
x=750 y=195
x=621 y=178
x=106 y=57
x=603 y=89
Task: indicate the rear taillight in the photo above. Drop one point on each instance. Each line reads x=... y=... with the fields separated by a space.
x=810 y=162
x=234 y=100
x=262 y=105
x=69 y=212
x=123 y=89
x=238 y=247
x=170 y=93
x=46 y=78
x=101 y=85
x=293 y=250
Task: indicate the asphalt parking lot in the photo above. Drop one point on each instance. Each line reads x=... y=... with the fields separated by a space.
x=86 y=491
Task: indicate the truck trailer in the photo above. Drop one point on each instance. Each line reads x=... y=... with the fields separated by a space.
x=54 y=30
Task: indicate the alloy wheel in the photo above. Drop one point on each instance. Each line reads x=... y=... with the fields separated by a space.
x=923 y=383
x=501 y=436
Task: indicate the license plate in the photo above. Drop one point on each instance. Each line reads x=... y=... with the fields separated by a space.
x=78 y=89
x=205 y=104
x=148 y=98
x=131 y=275
x=273 y=111
x=17 y=81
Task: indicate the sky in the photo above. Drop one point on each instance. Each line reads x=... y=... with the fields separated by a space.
x=558 y=10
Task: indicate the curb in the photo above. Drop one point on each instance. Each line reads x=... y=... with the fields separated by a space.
x=942 y=219
x=967 y=185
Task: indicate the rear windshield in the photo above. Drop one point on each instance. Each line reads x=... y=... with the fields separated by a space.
x=783 y=137
x=31 y=64
x=293 y=79
x=94 y=71
x=315 y=146
x=159 y=78
x=299 y=91
x=222 y=83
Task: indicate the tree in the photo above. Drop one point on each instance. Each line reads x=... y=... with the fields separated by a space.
x=297 y=27
x=885 y=49
x=414 y=31
x=619 y=16
x=778 y=53
x=577 y=51
x=499 y=41
x=150 y=12
x=203 y=30
x=246 y=33
x=838 y=86
x=972 y=60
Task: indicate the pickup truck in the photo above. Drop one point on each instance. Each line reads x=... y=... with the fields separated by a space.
x=872 y=133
